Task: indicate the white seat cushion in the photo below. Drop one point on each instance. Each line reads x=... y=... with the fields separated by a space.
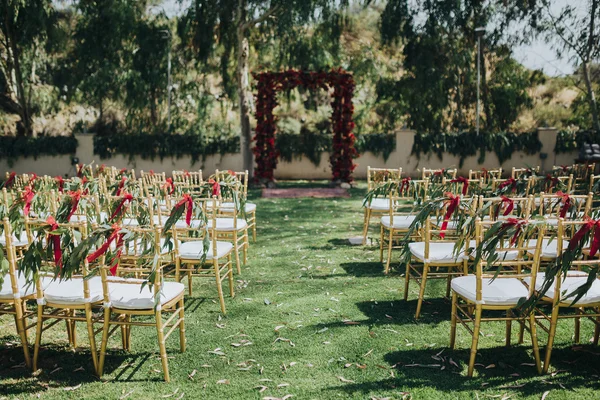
x=194 y=223
x=550 y=248
x=129 y=249
x=194 y=250
x=379 y=204
x=24 y=289
x=228 y=207
x=570 y=284
x=438 y=252
x=452 y=223
x=70 y=291
x=500 y=291
x=226 y=224
x=400 y=221
x=133 y=297
x=18 y=242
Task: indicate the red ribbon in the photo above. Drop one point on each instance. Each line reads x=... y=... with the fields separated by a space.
x=509 y=207
x=509 y=182
x=33 y=178
x=188 y=202
x=566 y=201
x=440 y=172
x=464 y=181
x=125 y=197
x=28 y=196
x=115 y=261
x=565 y=168
x=102 y=168
x=55 y=241
x=60 y=182
x=518 y=224
x=122 y=171
x=11 y=179
x=405 y=184
x=216 y=187
x=484 y=173
x=169 y=186
x=121 y=185
x=102 y=249
x=552 y=180
x=186 y=173
x=75 y=197
x=232 y=173
x=80 y=170
x=452 y=203
x=151 y=172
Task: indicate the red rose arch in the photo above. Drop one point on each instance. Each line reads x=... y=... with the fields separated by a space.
x=269 y=83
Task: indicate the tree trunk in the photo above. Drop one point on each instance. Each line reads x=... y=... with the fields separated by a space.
x=591 y=96
x=485 y=94
x=243 y=86
x=13 y=50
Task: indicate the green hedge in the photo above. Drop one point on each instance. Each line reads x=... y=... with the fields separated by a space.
x=467 y=144
x=568 y=141
x=151 y=146
x=14 y=147
x=311 y=145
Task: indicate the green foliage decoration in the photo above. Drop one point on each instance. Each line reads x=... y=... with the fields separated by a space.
x=311 y=145
x=570 y=140
x=14 y=147
x=468 y=143
x=151 y=146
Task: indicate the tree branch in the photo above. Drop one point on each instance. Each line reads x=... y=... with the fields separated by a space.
x=558 y=31
x=253 y=22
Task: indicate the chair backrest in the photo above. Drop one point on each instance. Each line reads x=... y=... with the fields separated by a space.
x=494 y=208
x=8 y=251
x=473 y=186
x=527 y=172
x=198 y=232
x=550 y=184
x=380 y=176
x=429 y=173
x=193 y=178
x=520 y=237
x=567 y=206
x=486 y=174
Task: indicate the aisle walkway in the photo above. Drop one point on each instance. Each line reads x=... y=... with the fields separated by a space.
x=313 y=318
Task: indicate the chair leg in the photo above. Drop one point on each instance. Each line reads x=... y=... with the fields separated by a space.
x=381 y=241
x=406 y=281
x=389 y=251
x=422 y=290
x=91 y=336
x=73 y=329
x=246 y=246
x=219 y=287
x=230 y=275
x=254 y=227
x=596 y=328
x=182 y=341
x=21 y=325
x=475 y=340
x=128 y=332
x=453 y=318
x=38 y=335
x=237 y=254
x=366 y=225
x=534 y=343
x=161 y=345
x=190 y=282
x=104 y=342
x=551 y=334
x=577 y=330
x=508 y=328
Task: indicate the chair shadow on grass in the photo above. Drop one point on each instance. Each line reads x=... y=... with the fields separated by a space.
x=499 y=369
x=363 y=269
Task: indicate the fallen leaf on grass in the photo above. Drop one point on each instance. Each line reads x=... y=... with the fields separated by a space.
x=261 y=388
x=223 y=382
x=70 y=388
x=126 y=395
x=191 y=374
x=170 y=395
x=342 y=379
x=545 y=394
x=278 y=327
x=217 y=351
x=287 y=396
x=281 y=339
x=281 y=385
x=368 y=353
x=79 y=369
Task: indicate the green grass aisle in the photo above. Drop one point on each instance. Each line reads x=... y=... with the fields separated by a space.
x=313 y=318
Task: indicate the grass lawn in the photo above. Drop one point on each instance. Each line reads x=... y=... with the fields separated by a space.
x=315 y=318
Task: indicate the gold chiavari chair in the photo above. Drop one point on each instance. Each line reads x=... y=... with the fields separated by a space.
x=402 y=208
x=434 y=257
x=463 y=186
x=486 y=174
x=198 y=253
x=554 y=206
x=72 y=297
x=526 y=172
x=230 y=227
x=503 y=207
x=249 y=208
x=136 y=302
x=499 y=282
x=560 y=292
x=550 y=184
x=376 y=207
x=14 y=289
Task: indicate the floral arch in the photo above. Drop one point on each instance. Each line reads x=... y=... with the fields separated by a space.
x=343 y=151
